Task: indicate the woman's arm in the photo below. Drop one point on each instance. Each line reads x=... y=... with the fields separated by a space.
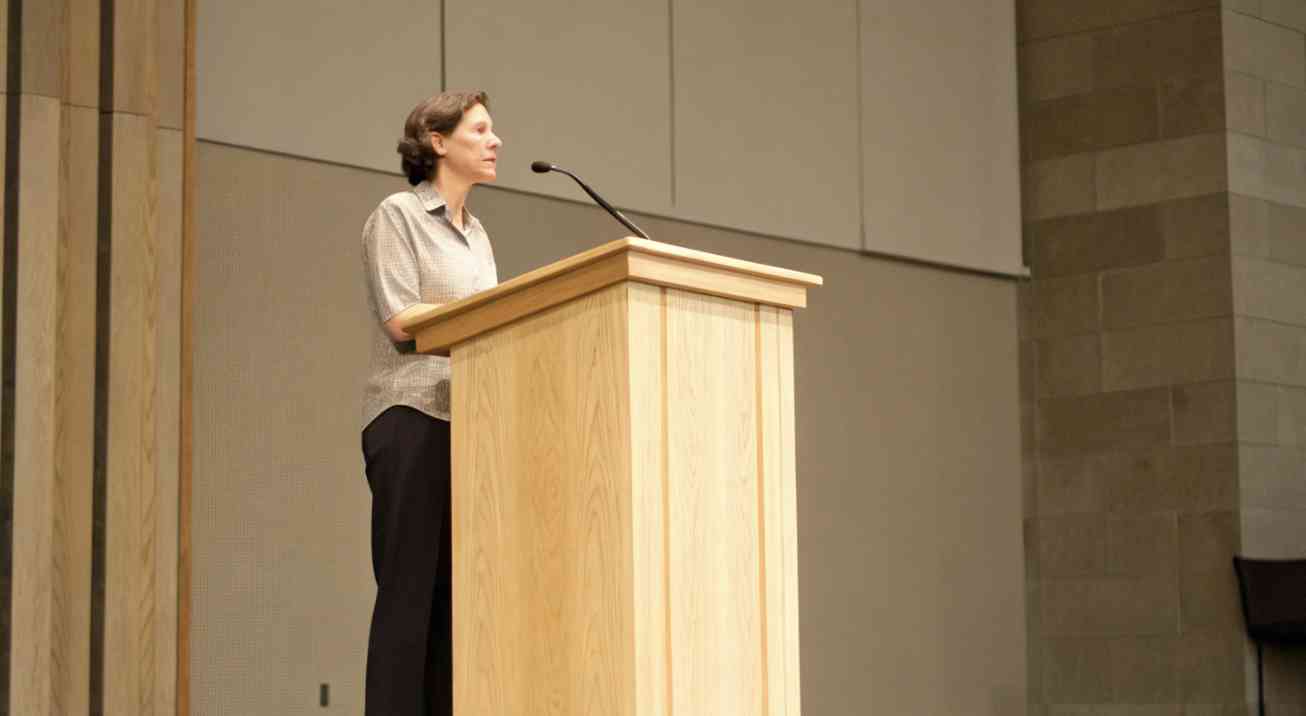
x=394 y=326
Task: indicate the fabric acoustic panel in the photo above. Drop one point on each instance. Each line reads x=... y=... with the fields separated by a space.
x=584 y=84
x=329 y=81
x=940 y=132
x=766 y=118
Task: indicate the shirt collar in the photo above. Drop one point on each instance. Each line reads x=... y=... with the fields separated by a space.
x=431 y=200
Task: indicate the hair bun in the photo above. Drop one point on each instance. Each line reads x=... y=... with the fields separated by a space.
x=417 y=159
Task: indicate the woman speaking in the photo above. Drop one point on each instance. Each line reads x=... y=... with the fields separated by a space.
x=421 y=248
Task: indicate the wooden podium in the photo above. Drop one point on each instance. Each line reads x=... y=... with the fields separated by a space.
x=624 y=536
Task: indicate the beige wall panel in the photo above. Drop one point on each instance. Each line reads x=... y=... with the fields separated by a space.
x=172 y=62
x=648 y=493
x=908 y=492
x=76 y=400
x=712 y=466
x=136 y=56
x=131 y=460
x=332 y=82
x=82 y=70
x=36 y=575
x=939 y=136
x=583 y=84
x=280 y=541
x=766 y=126
x=44 y=36
x=167 y=412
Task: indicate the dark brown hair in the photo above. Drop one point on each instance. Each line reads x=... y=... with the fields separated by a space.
x=440 y=113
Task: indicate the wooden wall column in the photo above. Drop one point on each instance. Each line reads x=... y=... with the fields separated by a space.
x=91 y=315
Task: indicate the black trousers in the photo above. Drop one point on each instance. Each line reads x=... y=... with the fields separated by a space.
x=410 y=647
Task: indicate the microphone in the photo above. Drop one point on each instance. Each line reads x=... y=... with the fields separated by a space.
x=545 y=167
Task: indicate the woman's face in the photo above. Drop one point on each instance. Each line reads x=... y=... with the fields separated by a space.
x=471 y=151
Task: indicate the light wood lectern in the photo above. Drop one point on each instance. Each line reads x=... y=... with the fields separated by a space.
x=623 y=486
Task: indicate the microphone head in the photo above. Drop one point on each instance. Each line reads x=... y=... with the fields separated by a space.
x=541 y=167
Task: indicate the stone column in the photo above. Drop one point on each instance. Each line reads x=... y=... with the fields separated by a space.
x=1144 y=407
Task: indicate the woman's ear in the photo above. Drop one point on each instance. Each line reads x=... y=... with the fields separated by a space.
x=437 y=144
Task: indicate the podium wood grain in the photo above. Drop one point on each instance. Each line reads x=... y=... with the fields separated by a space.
x=623 y=506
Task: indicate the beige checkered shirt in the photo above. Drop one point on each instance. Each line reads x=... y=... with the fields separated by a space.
x=413 y=254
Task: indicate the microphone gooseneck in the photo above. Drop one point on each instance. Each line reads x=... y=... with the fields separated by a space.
x=544 y=167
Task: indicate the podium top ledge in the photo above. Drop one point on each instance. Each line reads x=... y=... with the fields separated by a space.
x=630 y=258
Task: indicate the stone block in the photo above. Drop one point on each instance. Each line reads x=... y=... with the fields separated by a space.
x=1191 y=105
x=1267 y=170
x=1196 y=227
x=1207 y=541
x=1058 y=67
x=1168 y=291
x=1270 y=290
x=1145 y=670
x=1069 y=366
x=1290 y=13
x=1085 y=122
x=1273 y=533
x=1263 y=49
x=1244 y=102
x=1142 y=54
x=1211 y=667
x=1168 y=354
x=1110 y=421
x=1114 y=606
x=1246 y=7
x=1076 y=671
x=1210 y=601
x=1159 y=171
x=1205 y=413
x=1272 y=477
x=1179 y=479
x=1285 y=227
x=1064 y=307
x=1071 y=546
x=1285 y=114
x=1270 y=352
x=1143 y=545
x=1047 y=18
x=1249 y=226
x=1091 y=242
x=1258 y=413
x=1292 y=417
x=1058 y=187
x=1068 y=485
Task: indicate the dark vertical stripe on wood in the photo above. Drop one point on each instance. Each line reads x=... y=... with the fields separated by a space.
x=103 y=265
x=9 y=328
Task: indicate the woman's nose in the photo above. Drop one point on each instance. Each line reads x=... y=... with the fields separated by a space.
x=495 y=141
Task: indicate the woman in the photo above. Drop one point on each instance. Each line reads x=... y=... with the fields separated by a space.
x=421 y=248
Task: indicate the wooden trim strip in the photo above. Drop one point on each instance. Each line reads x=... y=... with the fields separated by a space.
x=760 y=476
x=186 y=447
x=454 y=327
x=9 y=330
x=671 y=255
x=103 y=294
x=439 y=329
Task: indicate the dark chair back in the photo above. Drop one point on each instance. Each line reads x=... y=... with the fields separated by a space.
x=1273 y=598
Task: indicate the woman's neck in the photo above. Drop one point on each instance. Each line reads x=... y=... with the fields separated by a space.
x=454 y=192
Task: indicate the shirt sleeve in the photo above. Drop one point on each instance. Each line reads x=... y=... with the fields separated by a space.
x=389 y=262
